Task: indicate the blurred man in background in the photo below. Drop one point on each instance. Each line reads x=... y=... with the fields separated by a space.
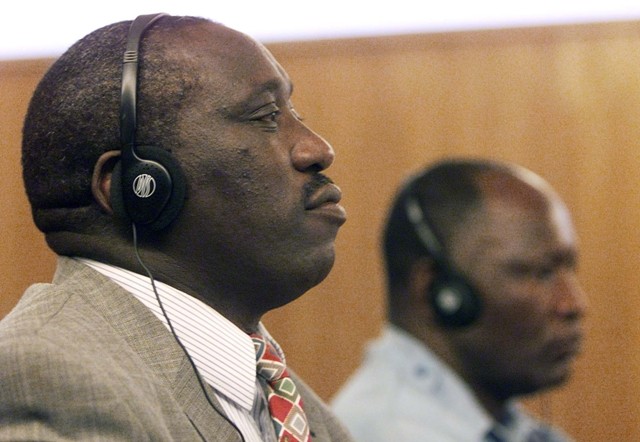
x=483 y=307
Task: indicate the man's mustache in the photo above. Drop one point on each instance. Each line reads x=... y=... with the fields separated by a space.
x=319 y=180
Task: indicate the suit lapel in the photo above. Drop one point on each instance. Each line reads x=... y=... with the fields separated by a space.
x=155 y=345
x=313 y=409
x=204 y=411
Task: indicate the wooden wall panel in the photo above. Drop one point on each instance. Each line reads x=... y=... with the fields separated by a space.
x=563 y=101
x=24 y=257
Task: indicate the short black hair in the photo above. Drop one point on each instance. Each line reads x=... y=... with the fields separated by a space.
x=73 y=118
x=448 y=192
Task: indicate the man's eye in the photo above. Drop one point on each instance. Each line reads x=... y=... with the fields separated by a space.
x=272 y=117
x=266 y=116
x=545 y=272
x=530 y=270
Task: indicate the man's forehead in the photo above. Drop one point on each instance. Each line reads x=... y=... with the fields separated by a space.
x=528 y=228
x=209 y=40
x=237 y=66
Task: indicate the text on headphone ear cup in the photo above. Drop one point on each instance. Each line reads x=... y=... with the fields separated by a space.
x=151 y=190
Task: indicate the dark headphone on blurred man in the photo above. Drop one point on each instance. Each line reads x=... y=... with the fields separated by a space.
x=453 y=299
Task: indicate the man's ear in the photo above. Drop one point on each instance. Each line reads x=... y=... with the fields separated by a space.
x=101 y=179
x=421 y=276
x=419 y=315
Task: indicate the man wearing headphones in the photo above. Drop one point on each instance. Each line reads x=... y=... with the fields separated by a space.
x=483 y=307
x=168 y=169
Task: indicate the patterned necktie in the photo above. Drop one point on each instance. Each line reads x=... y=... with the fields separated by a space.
x=285 y=402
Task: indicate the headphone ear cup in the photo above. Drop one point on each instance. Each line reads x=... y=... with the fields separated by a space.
x=454 y=301
x=151 y=190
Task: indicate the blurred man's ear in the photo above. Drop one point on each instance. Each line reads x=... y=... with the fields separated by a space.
x=417 y=315
x=421 y=276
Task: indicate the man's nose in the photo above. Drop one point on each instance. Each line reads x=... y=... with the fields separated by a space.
x=572 y=299
x=311 y=151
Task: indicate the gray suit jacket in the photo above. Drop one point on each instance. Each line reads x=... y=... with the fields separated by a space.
x=82 y=359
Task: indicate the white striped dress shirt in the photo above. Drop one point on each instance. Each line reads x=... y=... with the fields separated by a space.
x=223 y=354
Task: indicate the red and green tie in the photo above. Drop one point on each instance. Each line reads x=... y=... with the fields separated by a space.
x=285 y=402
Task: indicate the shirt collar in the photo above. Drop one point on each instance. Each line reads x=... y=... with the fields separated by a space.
x=223 y=354
x=516 y=425
x=429 y=374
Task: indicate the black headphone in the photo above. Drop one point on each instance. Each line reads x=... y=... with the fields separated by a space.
x=148 y=185
x=453 y=299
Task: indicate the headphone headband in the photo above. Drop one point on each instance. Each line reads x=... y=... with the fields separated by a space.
x=147 y=185
x=423 y=230
x=453 y=299
x=128 y=97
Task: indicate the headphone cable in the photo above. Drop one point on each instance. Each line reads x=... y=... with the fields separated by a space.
x=175 y=336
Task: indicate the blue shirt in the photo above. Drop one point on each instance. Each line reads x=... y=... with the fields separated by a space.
x=403 y=392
